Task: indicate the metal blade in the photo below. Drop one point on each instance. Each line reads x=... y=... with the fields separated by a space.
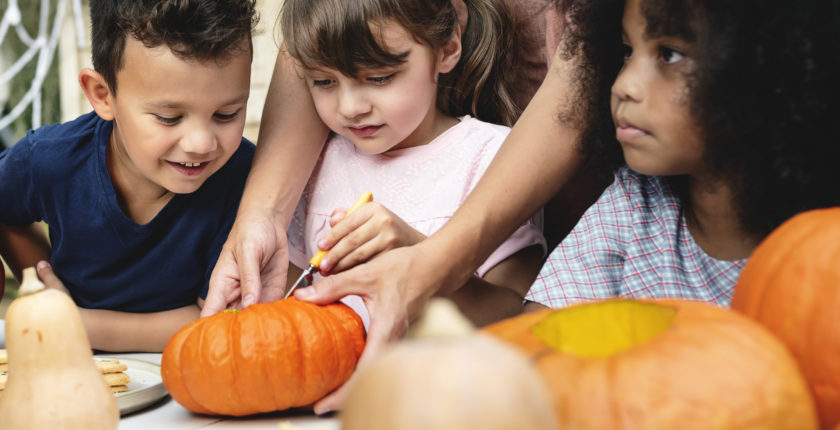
x=307 y=274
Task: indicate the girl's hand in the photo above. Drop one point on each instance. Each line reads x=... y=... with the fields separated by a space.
x=367 y=232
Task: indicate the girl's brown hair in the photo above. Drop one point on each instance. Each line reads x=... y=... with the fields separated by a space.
x=340 y=34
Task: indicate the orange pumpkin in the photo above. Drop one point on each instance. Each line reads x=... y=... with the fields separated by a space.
x=668 y=364
x=268 y=357
x=791 y=285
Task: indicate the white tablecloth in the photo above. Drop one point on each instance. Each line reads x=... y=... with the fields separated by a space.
x=168 y=414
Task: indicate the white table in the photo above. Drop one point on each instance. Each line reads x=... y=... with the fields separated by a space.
x=168 y=414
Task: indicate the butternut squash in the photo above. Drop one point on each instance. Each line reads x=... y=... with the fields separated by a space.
x=447 y=378
x=53 y=382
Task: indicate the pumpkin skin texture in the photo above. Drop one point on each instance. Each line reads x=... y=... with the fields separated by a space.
x=791 y=285
x=268 y=357
x=698 y=367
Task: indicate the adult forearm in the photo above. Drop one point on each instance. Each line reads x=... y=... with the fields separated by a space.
x=291 y=138
x=538 y=158
x=122 y=331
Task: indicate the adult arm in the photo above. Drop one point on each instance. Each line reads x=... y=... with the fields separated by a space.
x=253 y=262
x=23 y=247
x=538 y=160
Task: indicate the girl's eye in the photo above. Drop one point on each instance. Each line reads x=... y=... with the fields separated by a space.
x=381 y=80
x=627 y=50
x=167 y=120
x=670 y=56
x=226 y=116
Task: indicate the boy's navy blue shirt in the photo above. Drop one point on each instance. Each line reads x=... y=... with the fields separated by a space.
x=59 y=174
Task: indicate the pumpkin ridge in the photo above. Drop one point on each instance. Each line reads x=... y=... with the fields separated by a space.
x=171 y=369
x=346 y=354
x=275 y=321
x=330 y=357
x=300 y=366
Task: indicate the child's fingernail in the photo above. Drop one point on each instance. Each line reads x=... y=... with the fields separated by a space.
x=304 y=292
x=322 y=244
x=43 y=265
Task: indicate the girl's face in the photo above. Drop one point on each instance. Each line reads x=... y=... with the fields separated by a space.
x=386 y=108
x=650 y=101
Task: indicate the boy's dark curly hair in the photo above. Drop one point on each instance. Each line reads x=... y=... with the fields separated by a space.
x=765 y=92
x=194 y=29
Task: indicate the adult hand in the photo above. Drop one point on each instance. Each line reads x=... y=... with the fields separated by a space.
x=392 y=300
x=367 y=232
x=252 y=264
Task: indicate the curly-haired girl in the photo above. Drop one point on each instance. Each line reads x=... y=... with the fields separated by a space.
x=723 y=111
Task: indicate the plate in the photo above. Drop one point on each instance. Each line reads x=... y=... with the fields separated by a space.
x=145 y=387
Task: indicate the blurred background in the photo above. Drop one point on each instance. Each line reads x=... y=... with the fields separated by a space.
x=43 y=46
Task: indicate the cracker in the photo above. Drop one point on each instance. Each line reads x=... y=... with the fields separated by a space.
x=110 y=366
x=116 y=378
x=119 y=388
x=112 y=371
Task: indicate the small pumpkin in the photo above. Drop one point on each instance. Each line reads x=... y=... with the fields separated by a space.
x=53 y=382
x=268 y=357
x=668 y=364
x=448 y=377
x=791 y=285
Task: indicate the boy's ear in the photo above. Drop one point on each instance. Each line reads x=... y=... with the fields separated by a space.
x=98 y=93
x=450 y=54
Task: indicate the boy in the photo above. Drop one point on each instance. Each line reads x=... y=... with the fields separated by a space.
x=139 y=195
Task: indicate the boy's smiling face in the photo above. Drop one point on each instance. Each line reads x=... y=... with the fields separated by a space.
x=176 y=121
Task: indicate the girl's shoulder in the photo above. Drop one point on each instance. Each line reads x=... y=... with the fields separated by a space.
x=642 y=192
x=473 y=126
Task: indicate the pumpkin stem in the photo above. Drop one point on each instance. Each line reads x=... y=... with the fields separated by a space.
x=605 y=328
x=30 y=284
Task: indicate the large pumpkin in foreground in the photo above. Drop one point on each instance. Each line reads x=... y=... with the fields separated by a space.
x=791 y=285
x=624 y=364
x=268 y=357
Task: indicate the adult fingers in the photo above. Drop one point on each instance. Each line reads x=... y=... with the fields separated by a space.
x=249 y=271
x=332 y=288
x=222 y=285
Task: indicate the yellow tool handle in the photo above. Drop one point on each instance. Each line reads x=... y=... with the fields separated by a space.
x=366 y=196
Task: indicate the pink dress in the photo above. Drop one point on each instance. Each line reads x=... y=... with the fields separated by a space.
x=423 y=185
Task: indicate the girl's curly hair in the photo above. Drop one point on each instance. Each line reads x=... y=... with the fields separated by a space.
x=765 y=93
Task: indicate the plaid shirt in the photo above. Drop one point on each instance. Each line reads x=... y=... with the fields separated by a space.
x=633 y=242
